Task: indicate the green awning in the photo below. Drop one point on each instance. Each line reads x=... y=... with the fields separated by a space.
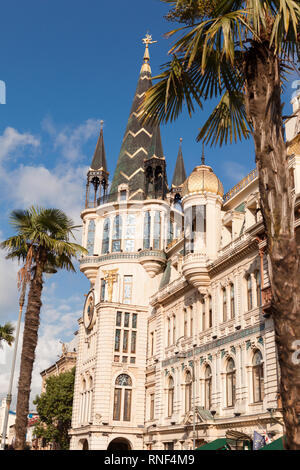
x=275 y=445
x=217 y=444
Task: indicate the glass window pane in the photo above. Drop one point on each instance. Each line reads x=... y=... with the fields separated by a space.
x=117 y=340
x=134 y=320
x=125 y=341
x=117 y=404
x=126 y=320
x=119 y=318
x=133 y=342
x=156 y=234
x=91 y=237
x=127 y=405
x=147 y=228
x=105 y=239
x=127 y=290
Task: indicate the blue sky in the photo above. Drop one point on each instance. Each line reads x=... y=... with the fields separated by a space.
x=67 y=65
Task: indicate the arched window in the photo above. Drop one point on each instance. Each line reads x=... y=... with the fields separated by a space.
x=249 y=292
x=122 y=398
x=188 y=392
x=82 y=402
x=258 y=377
x=147 y=229
x=224 y=293
x=232 y=306
x=130 y=232
x=156 y=232
x=170 y=396
x=258 y=287
x=230 y=382
x=210 y=319
x=117 y=233
x=105 y=238
x=91 y=238
x=207 y=387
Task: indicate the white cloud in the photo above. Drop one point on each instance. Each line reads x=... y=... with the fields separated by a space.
x=11 y=140
x=69 y=141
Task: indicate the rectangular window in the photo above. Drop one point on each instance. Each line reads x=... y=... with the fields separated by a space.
x=152 y=343
x=126 y=320
x=117 y=404
x=152 y=406
x=127 y=292
x=125 y=341
x=127 y=405
x=123 y=195
x=132 y=360
x=133 y=342
x=134 y=320
x=125 y=359
x=116 y=358
x=102 y=290
x=117 y=340
x=119 y=318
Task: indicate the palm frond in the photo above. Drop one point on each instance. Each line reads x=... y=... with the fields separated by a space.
x=227 y=122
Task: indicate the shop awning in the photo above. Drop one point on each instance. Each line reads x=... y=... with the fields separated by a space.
x=275 y=445
x=217 y=444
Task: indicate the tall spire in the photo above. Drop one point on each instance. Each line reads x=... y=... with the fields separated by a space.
x=99 y=159
x=97 y=176
x=203 y=156
x=146 y=66
x=179 y=173
x=141 y=141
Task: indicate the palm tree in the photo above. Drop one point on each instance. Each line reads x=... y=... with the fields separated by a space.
x=41 y=241
x=241 y=51
x=6 y=333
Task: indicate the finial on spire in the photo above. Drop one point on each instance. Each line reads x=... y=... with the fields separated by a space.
x=147 y=40
x=101 y=125
x=203 y=157
x=180 y=140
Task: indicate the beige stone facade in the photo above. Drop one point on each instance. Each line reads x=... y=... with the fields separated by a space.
x=176 y=343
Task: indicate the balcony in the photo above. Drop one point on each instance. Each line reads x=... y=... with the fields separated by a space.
x=195 y=270
x=151 y=260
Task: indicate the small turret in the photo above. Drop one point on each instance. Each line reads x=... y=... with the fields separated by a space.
x=97 y=175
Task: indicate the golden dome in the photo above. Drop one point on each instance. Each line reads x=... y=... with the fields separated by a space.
x=202 y=179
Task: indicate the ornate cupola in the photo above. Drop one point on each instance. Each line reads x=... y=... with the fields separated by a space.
x=97 y=176
x=202 y=201
x=141 y=165
x=179 y=176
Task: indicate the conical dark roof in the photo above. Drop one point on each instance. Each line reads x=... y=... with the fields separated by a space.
x=99 y=159
x=140 y=142
x=179 y=173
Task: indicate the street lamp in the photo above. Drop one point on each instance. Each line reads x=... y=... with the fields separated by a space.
x=9 y=393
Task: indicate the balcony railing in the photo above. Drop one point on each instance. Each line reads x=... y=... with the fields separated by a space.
x=241 y=185
x=123 y=255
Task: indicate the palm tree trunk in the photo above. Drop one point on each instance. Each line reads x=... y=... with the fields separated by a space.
x=264 y=109
x=30 y=336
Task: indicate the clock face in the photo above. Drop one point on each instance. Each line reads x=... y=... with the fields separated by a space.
x=89 y=309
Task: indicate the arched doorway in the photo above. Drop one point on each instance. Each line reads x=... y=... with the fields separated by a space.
x=84 y=444
x=119 y=444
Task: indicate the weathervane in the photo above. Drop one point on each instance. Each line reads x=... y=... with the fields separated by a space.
x=148 y=40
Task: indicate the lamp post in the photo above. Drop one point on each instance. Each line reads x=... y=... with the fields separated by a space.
x=9 y=393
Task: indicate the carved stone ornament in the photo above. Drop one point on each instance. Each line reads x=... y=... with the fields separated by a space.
x=89 y=311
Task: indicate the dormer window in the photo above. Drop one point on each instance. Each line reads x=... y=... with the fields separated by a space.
x=123 y=195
